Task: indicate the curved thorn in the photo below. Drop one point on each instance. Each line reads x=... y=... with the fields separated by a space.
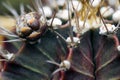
x=5 y=34
x=14 y=40
x=5 y=30
x=30 y=8
x=53 y=62
x=22 y=10
x=57 y=70
x=105 y=64
x=3 y=60
x=11 y=9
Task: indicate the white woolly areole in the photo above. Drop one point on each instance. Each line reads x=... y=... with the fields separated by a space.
x=118 y=48
x=106 y=11
x=84 y=28
x=9 y=56
x=55 y=24
x=116 y=16
x=96 y=23
x=110 y=28
x=118 y=7
x=63 y=14
x=76 y=4
x=42 y=19
x=75 y=39
x=60 y=2
x=65 y=64
x=47 y=11
x=95 y=3
x=52 y=3
x=112 y=2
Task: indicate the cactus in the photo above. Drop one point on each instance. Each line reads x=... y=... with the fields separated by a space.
x=83 y=46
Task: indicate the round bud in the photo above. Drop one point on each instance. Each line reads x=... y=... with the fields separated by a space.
x=31 y=26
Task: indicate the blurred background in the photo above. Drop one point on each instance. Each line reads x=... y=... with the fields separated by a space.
x=14 y=3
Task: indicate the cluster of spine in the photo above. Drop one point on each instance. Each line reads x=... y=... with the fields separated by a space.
x=88 y=15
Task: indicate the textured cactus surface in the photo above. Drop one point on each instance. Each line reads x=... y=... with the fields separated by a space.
x=51 y=57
